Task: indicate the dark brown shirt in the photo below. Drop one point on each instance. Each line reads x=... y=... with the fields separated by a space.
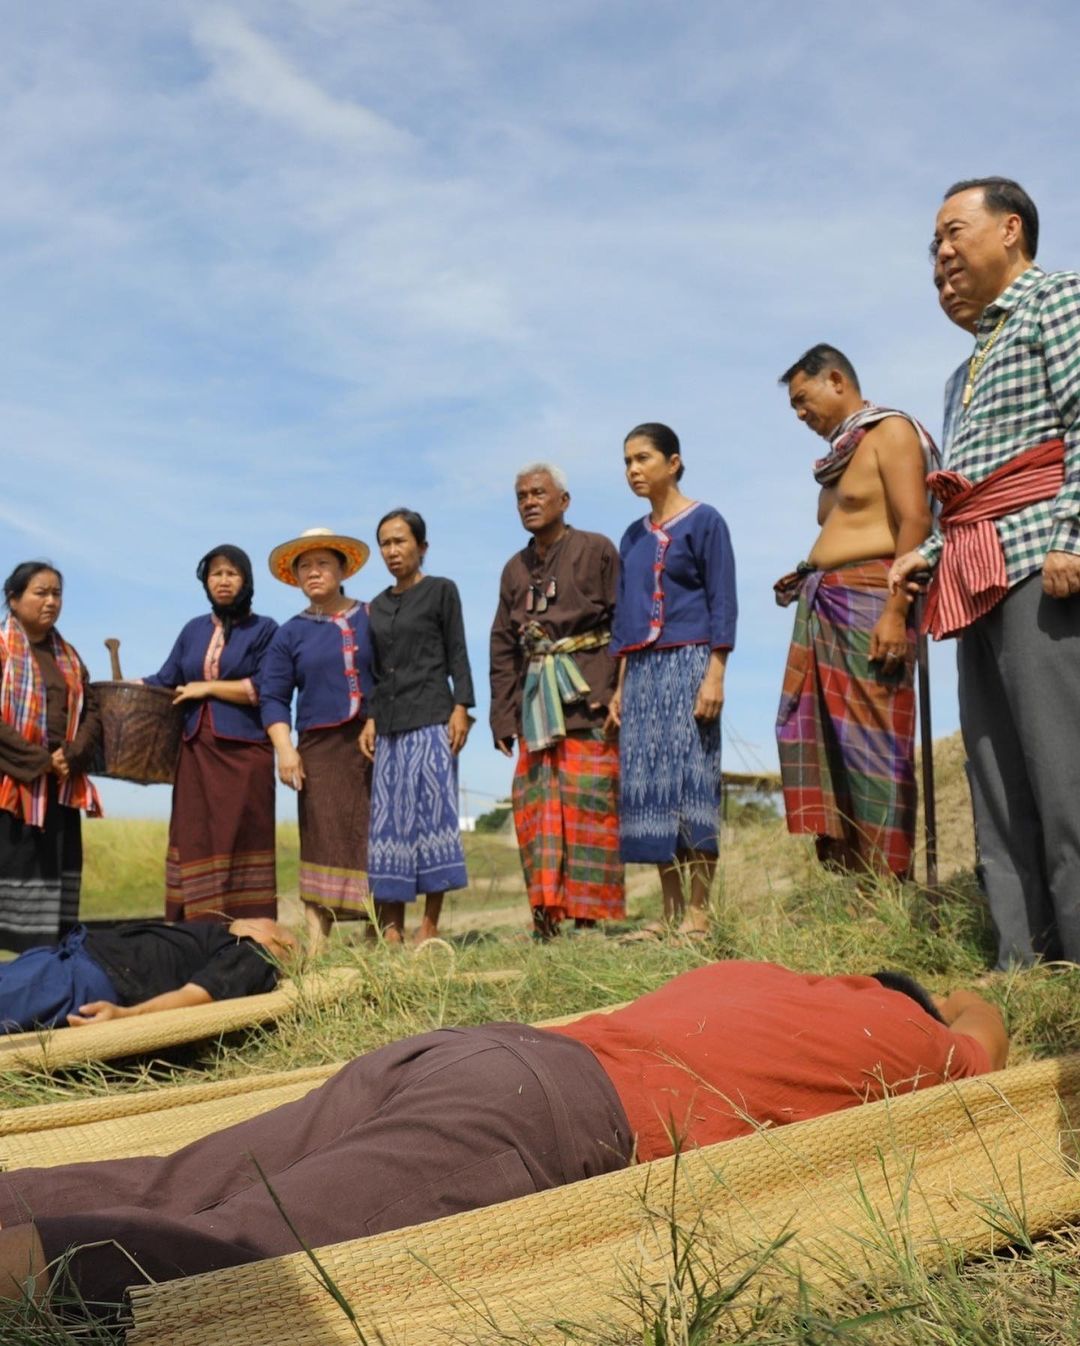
x=583 y=571
x=24 y=761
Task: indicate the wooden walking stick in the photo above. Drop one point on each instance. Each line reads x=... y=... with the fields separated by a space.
x=926 y=740
x=113 y=646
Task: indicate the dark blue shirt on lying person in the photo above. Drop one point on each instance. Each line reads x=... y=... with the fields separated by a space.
x=240 y=657
x=310 y=655
x=128 y=965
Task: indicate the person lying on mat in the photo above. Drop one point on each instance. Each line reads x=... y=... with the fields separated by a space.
x=137 y=968
x=466 y=1117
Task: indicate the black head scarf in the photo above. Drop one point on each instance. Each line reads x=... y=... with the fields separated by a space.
x=240 y=607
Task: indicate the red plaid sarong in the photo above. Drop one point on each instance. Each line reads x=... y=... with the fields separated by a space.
x=971 y=577
x=846 y=728
x=566 y=811
x=22 y=707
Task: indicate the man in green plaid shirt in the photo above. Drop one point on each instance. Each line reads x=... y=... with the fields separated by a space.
x=1006 y=556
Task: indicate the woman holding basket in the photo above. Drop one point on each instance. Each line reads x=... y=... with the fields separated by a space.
x=220 y=863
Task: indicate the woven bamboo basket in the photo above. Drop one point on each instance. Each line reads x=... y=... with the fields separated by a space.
x=57 y=1048
x=934 y=1172
x=140 y=733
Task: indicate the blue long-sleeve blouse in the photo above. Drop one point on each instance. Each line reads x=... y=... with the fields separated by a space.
x=327 y=661
x=676 y=584
x=241 y=657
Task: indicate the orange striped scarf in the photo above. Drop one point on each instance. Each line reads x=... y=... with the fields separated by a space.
x=971 y=577
x=22 y=706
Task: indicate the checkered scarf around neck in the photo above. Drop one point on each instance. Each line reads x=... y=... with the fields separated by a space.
x=23 y=708
x=848 y=435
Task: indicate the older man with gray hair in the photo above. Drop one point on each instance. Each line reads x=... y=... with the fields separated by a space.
x=551 y=681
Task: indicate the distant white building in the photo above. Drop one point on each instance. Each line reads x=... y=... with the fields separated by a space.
x=466 y=822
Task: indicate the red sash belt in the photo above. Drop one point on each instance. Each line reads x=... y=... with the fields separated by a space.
x=971 y=577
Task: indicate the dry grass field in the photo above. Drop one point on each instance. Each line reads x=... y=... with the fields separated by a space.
x=771 y=902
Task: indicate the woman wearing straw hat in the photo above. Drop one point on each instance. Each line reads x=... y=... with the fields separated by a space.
x=220 y=863
x=419 y=642
x=324 y=655
x=49 y=726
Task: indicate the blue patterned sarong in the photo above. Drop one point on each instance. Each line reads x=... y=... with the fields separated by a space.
x=669 y=763
x=415 y=839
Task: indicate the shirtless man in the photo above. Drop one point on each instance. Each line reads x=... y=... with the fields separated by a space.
x=846 y=726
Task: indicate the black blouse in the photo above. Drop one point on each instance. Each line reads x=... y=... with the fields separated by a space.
x=419 y=640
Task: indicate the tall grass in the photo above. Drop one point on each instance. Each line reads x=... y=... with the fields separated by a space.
x=770 y=902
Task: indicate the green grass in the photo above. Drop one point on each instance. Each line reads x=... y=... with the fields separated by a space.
x=771 y=902
x=124 y=868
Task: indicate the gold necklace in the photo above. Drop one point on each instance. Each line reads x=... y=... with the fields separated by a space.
x=977 y=361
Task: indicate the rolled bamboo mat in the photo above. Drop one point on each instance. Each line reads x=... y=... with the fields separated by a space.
x=140 y=1127
x=153 y=1121
x=943 y=1169
x=60 y=1047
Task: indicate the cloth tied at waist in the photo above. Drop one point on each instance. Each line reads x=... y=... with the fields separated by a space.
x=788 y=587
x=971 y=576
x=552 y=678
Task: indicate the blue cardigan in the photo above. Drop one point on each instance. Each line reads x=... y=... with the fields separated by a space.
x=676 y=584
x=241 y=657
x=307 y=655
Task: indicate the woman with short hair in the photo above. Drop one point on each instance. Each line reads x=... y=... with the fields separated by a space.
x=49 y=729
x=220 y=864
x=324 y=655
x=417 y=728
x=674 y=628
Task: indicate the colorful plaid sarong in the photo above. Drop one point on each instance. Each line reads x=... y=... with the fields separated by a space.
x=567 y=817
x=846 y=728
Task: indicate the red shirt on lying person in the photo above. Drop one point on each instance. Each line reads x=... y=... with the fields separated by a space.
x=730 y=1047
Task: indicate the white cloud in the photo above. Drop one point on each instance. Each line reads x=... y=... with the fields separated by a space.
x=282 y=261
x=250 y=69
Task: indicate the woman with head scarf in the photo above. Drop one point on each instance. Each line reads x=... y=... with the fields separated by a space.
x=323 y=655
x=49 y=727
x=220 y=863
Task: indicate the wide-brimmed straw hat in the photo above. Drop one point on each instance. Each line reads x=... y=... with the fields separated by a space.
x=283 y=558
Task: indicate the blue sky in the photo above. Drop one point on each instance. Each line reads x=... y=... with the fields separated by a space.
x=271 y=265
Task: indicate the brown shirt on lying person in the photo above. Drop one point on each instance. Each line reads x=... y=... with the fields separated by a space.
x=570 y=591
x=24 y=761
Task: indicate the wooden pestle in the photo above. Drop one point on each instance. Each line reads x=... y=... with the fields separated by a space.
x=113 y=646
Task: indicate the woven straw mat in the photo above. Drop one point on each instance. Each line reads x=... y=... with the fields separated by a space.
x=60 y=1047
x=940 y=1168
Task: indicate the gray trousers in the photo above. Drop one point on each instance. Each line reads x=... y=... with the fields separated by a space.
x=1019 y=683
